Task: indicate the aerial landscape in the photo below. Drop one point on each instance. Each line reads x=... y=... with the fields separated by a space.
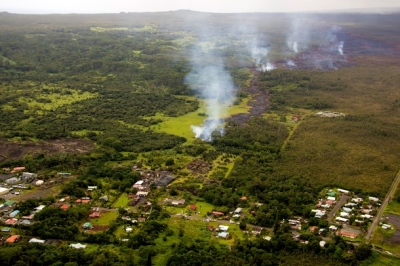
x=200 y=138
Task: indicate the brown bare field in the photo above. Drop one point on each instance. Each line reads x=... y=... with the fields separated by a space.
x=14 y=150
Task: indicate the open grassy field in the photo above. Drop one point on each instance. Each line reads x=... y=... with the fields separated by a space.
x=180 y=126
x=53 y=100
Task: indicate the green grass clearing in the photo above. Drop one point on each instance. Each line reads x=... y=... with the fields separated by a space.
x=122 y=201
x=105 y=219
x=393 y=207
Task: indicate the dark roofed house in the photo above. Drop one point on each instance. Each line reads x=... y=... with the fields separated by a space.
x=165 y=180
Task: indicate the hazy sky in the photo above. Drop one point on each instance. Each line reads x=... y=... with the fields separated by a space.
x=220 y=6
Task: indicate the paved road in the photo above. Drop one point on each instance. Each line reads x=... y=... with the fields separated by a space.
x=383 y=206
x=338 y=205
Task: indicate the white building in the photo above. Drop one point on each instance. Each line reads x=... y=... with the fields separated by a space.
x=341 y=220
x=343 y=191
x=38 y=241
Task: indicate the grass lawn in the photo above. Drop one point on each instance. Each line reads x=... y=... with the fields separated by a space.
x=122 y=201
x=393 y=207
x=105 y=218
x=204 y=207
x=180 y=126
x=379 y=239
x=383 y=260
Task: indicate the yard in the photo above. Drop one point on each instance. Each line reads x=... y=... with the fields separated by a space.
x=105 y=219
x=122 y=201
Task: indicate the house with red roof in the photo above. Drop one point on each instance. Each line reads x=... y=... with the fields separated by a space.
x=215 y=213
x=94 y=215
x=19 y=168
x=192 y=207
x=64 y=207
x=11 y=221
x=13 y=239
x=346 y=234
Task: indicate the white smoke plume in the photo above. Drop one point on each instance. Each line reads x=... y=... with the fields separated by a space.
x=340 y=47
x=215 y=85
x=259 y=55
x=298 y=37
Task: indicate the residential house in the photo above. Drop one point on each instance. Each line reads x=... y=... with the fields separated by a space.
x=343 y=191
x=333 y=228
x=341 y=220
x=13 y=180
x=13 y=214
x=344 y=214
x=78 y=246
x=39 y=208
x=348 y=210
x=11 y=221
x=9 y=203
x=18 y=169
x=138 y=185
x=105 y=198
x=223 y=235
x=13 y=239
x=37 y=241
x=142 y=194
x=87 y=226
x=141 y=219
x=357 y=200
x=223 y=228
x=373 y=199
x=346 y=234
x=27 y=175
x=26 y=222
x=192 y=207
x=91 y=188
x=216 y=213
x=64 y=207
x=94 y=215
x=178 y=202
x=238 y=211
x=28 y=217
x=6 y=229
x=256 y=230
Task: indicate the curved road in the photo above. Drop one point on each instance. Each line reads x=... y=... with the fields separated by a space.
x=383 y=206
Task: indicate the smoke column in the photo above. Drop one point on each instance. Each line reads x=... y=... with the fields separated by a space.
x=340 y=47
x=215 y=85
x=259 y=55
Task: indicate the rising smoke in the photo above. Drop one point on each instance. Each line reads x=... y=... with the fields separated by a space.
x=310 y=46
x=215 y=85
x=259 y=54
x=298 y=37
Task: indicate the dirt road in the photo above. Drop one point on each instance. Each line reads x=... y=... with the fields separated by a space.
x=383 y=206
